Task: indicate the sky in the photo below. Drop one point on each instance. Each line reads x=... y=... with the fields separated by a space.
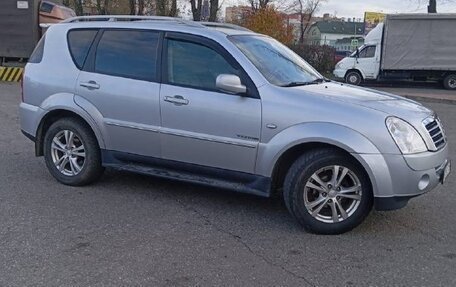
x=356 y=8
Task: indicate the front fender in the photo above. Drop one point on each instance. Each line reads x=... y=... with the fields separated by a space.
x=313 y=132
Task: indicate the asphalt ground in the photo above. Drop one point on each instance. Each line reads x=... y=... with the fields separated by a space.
x=135 y=230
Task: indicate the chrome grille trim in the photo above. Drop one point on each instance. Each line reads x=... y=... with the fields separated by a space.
x=435 y=131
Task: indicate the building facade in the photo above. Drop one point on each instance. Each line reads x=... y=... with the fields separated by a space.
x=349 y=43
x=328 y=32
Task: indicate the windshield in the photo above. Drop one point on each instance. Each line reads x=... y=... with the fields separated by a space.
x=358 y=49
x=278 y=64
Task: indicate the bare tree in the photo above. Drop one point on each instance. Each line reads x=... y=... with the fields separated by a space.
x=196 y=7
x=137 y=7
x=306 y=9
x=259 y=4
x=141 y=5
x=78 y=7
x=173 y=10
x=160 y=7
x=166 y=8
x=102 y=7
x=213 y=10
x=132 y=7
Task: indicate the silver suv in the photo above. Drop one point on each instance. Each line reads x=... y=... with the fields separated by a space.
x=219 y=105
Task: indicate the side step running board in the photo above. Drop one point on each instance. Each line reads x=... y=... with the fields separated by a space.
x=256 y=185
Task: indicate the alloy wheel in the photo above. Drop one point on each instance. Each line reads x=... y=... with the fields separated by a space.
x=68 y=153
x=332 y=194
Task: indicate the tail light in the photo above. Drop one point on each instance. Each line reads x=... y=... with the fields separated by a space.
x=22 y=87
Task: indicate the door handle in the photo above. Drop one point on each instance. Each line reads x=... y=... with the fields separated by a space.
x=177 y=100
x=91 y=85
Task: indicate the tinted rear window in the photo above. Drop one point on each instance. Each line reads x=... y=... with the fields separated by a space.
x=79 y=42
x=128 y=53
x=37 y=54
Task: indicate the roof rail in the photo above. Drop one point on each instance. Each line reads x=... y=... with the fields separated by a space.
x=153 y=18
x=128 y=18
x=224 y=25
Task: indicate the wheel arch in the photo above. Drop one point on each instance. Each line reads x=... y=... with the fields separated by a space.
x=276 y=157
x=56 y=114
x=355 y=70
x=287 y=158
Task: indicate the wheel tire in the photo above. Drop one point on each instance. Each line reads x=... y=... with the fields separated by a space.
x=353 y=78
x=301 y=172
x=91 y=168
x=450 y=82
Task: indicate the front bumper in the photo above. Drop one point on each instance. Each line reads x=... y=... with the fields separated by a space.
x=339 y=73
x=397 y=178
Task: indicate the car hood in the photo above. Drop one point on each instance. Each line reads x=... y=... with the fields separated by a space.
x=381 y=101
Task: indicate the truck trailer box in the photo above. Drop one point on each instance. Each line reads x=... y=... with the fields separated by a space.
x=19 y=28
x=419 y=42
x=20 y=24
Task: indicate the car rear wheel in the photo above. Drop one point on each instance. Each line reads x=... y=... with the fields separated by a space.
x=450 y=82
x=353 y=78
x=72 y=153
x=327 y=192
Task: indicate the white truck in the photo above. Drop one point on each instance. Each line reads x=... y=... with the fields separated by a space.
x=20 y=25
x=410 y=47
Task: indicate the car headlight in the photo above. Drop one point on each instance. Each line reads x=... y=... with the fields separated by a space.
x=406 y=137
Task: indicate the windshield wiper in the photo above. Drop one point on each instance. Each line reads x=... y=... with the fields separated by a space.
x=314 y=82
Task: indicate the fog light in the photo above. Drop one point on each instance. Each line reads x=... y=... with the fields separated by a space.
x=424 y=182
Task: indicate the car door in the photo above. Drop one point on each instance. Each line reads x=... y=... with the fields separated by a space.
x=120 y=78
x=201 y=124
x=367 y=62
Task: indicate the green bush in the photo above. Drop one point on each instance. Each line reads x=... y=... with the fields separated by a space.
x=320 y=57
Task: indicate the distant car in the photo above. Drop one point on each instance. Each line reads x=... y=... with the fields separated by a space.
x=339 y=55
x=220 y=105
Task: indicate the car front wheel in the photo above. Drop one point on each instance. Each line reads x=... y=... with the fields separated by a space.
x=328 y=192
x=353 y=78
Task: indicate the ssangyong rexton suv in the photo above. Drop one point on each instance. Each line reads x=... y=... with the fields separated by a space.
x=220 y=105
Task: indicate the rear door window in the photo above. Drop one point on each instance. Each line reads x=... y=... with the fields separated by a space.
x=128 y=53
x=79 y=42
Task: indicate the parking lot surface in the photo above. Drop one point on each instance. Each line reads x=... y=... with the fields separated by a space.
x=136 y=230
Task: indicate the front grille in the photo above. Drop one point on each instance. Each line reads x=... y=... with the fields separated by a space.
x=436 y=132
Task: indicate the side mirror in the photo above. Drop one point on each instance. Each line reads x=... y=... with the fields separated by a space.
x=230 y=83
